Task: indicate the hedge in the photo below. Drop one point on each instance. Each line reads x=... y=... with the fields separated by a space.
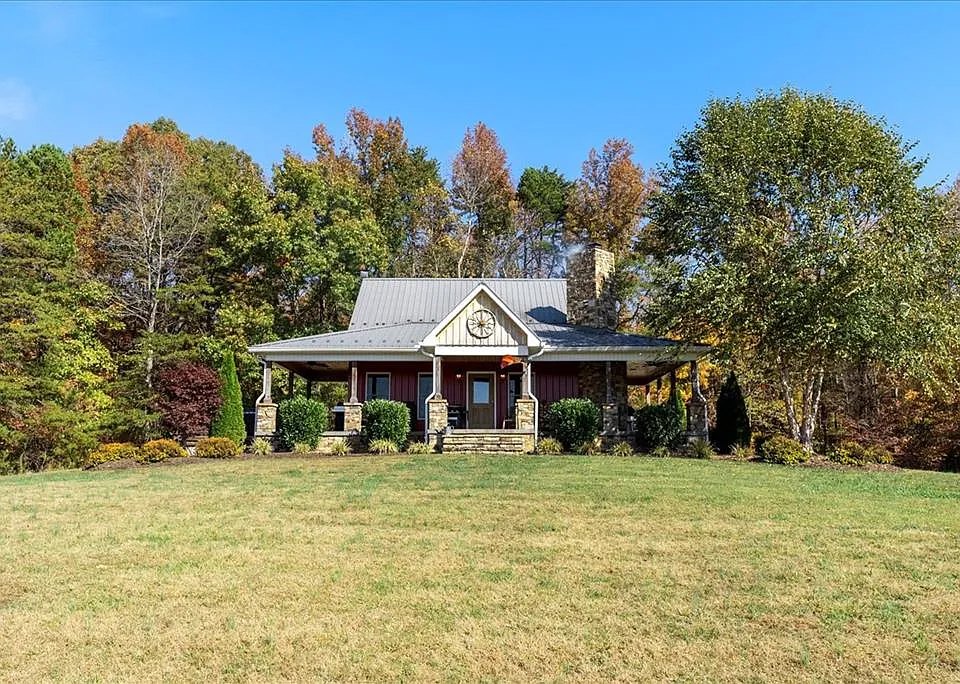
x=573 y=422
x=302 y=421
x=385 y=419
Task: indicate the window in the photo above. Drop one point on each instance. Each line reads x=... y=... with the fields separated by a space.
x=481 y=390
x=424 y=390
x=378 y=386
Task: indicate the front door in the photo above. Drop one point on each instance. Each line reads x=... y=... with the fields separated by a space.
x=480 y=401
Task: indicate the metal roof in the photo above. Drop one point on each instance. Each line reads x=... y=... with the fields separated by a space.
x=395 y=314
x=393 y=301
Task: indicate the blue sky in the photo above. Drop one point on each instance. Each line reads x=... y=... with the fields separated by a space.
x=553 y=80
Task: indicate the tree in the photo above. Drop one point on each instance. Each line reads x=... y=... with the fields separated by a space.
x=53 y=369
x=733 y=423
x=483 y=194
x=188 y=396
x=150 y=222
x=229 y=420
x=791 y=231
x=607 y=205
x=542 y=195
x=403 y=184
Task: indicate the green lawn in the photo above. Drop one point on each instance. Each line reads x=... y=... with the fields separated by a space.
x=452 y=568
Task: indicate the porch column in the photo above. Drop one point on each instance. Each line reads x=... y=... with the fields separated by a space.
x=353 y=409
x=266 y=418
x=697 y=421
x=610 y=410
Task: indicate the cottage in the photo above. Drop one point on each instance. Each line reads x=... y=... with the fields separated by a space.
x=478 y=360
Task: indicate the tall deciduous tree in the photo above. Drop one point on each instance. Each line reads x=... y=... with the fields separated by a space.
x=483 y=194
x=791 y=230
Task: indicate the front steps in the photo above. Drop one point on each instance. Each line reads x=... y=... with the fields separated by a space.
x=487 y=441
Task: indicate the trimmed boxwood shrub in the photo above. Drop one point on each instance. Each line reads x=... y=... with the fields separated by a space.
x=658 y=425
x=112 y=451
x=217 y=447
x=385 y=419
x=160 y=450
x=229 y=419
x=733 y=423
x=783 y=450
x=574 y=422
x=302 y=421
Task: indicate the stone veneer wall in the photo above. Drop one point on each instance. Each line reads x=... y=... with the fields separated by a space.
x=590 y=297
x=593 y=385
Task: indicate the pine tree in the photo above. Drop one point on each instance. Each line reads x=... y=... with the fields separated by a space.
x=733 y=423
x=229 y=421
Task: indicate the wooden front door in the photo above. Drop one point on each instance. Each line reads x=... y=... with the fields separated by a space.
x=481 y=394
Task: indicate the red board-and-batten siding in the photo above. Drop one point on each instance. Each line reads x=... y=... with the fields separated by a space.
x=552 y=381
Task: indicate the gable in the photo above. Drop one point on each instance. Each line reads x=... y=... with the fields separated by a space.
x=506 y=332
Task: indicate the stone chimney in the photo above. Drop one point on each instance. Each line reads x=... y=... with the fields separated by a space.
x=590 y=298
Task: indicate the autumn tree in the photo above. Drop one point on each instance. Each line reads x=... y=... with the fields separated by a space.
x=606 y=204
x=483 y=194
x=792 y=232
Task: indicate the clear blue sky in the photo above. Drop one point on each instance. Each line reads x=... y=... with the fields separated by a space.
x=553 y=80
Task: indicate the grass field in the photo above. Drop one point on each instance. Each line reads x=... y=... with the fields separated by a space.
x=493 y=568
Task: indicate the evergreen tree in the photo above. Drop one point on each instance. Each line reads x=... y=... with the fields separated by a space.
x=229 y=420
x=733 y=423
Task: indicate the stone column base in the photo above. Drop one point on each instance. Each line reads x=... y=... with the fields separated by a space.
x=436 y=423
x=525 y=412
x=698 y=426
x=266 y=421
x=352 y=417
x=611 y=420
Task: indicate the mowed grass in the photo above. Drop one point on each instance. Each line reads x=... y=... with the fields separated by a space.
x=489 y=568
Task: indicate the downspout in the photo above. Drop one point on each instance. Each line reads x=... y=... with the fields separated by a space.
x=433 y=394
x=536 y=402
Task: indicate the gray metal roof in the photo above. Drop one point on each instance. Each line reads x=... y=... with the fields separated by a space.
x=395 y=314
x=392 y=301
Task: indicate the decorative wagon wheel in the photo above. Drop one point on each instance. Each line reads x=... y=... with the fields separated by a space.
x=481 y=323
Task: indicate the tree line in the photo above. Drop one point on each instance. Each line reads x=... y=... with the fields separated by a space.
x=790 y=230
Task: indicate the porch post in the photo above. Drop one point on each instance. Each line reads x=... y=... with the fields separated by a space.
x=436 y=423
x=525 y=408
x=697 y=422
x=266 y=411
x=610 y=411
x=353 y=409
x=526 y=389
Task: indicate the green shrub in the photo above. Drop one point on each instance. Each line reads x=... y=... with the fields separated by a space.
x=660 y=452
x=658 y=425
x=419 y=448
x=383 y=446
x=302 y=448
x=591 y=447
x=217 y=447
x=853 y=453
x=549 y=446
x=573 y=422
x=742 y=453
x=261 y=447
x=622 y=449
x=783 y=450
x=302 y=421
x=159 y=450
x=112 y=451
x=385 y=419
x=229 y=419
x=340 y=448
x=701 y=448
x=733 y=422
x=676 y=401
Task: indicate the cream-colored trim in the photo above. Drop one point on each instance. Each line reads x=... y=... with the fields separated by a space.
x=481 y=351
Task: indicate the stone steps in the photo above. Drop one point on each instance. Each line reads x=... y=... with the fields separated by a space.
x=483 y=442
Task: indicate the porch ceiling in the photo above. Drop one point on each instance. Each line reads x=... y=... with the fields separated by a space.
x=319 y=371
x=640 y=373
